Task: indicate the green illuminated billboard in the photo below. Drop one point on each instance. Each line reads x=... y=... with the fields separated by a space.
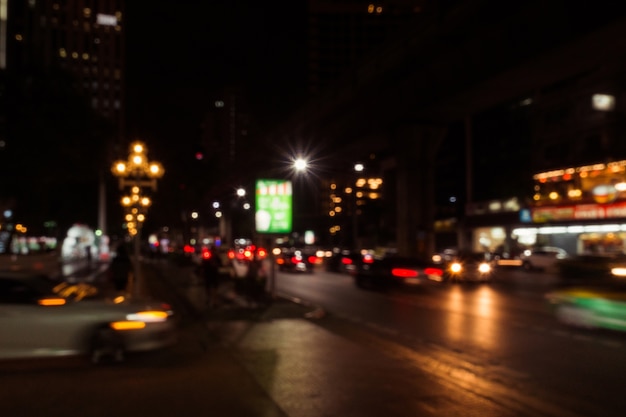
x=274 y=205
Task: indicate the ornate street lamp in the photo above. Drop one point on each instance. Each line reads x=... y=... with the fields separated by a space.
x=135 y=174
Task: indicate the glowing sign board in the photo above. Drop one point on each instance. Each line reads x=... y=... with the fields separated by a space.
x=579 y=212
x=274 y=206
x=106 y=19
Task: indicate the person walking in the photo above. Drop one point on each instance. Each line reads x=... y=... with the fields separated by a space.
x=120 y=268
x=210 y=269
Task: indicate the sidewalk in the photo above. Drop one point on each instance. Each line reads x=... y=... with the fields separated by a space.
x=189 y=292
x=273 y=359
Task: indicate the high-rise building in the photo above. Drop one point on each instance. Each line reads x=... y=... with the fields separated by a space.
x=342 y=32
x=82 y=37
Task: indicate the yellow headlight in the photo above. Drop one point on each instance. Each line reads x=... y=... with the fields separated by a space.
x=148 y=316
x=619 y=272
x=127 y=325
x=52 y=301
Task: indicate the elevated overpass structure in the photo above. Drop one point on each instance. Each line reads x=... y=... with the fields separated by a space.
x=445 y=68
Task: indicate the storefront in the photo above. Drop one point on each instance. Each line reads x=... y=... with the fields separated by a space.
x=580 y=209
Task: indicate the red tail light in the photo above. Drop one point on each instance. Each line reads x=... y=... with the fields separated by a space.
x=295 y=259
x=312 y=259
x=261 y=253
x=346 y=261
x=368 y=259
x=434 y=271
x=231 y=254
x=404 y=273
x=206 y=254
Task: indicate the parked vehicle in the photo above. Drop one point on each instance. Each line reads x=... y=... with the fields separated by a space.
x=387 y=271
x=542 y=258
x=40 y=317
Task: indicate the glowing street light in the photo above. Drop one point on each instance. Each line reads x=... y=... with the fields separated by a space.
x=300 y=164
x=137 y=170
x=136 y=173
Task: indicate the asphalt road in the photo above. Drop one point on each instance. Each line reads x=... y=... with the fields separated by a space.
x=448 y=350
x=499 y=340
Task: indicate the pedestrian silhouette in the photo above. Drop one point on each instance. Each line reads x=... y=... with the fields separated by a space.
x=211 y=263
x=119 y=270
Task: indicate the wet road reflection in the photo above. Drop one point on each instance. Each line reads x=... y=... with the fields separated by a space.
x=503 y=331
x=472 y=315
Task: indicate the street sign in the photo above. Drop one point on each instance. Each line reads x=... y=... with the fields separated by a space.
x=274 y=206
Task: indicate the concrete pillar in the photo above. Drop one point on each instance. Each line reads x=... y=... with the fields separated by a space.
x=415 y=150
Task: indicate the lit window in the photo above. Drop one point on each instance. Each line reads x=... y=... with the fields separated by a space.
x=62 y=53
x=603 y=102
x=526 y=102
x=554 y=195
x=19 y=37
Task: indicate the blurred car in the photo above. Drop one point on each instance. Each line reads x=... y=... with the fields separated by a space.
x=467 y=266
x=601 y=307
x=388 y=271
x=296 y=260
x=542 y=258
x=248 y=253
x=592 y=267
x=44 y=318
x=342 y=261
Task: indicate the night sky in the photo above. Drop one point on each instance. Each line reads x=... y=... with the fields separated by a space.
x=179 y=55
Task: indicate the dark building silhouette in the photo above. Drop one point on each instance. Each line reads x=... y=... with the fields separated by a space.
x=85 y=38
x=342 y=32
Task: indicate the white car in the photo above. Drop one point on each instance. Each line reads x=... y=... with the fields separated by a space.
x=44 y=318
x=542 y=258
